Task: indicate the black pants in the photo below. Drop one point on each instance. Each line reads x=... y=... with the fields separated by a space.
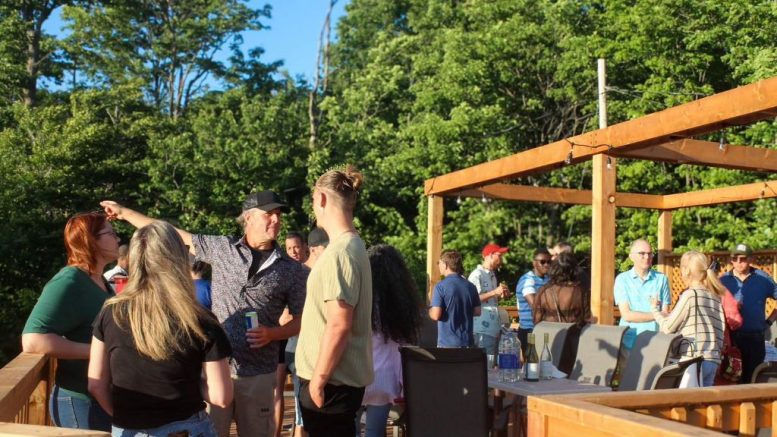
x=336 y=417
x=751 y=344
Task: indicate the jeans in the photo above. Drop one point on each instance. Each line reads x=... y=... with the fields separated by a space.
x=198 y=425
x=68 y=411
x=377 y=415
x=487 y=343
x=708 y=371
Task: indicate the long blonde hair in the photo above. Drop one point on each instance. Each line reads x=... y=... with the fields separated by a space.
x=158 y=304
x=695 y=265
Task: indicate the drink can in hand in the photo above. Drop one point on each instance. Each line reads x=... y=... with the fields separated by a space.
x=252 y=320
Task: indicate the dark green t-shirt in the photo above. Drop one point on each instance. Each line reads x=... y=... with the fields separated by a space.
x=68 y=306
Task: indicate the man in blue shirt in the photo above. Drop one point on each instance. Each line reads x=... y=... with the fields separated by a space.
x=455 y=302
x=634 y=290
x=528 y=285
x=750 y=287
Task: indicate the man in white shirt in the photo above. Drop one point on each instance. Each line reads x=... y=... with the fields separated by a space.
x=486 y=326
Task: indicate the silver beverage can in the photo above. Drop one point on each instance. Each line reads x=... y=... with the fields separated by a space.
x=252 y=320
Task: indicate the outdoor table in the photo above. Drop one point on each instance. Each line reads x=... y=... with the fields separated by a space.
x=539 y=388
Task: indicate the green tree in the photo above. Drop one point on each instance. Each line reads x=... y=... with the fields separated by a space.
x=167 y=48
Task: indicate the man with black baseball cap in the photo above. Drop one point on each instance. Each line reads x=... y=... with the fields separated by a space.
x=750 y=287
x=251 y=273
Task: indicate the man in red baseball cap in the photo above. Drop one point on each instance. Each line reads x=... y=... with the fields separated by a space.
x=486 y=326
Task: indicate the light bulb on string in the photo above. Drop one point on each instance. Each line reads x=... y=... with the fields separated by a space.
x=484 y=199
x=609 y=163
x=722 y=144
x=568 y=159
x=458 y=200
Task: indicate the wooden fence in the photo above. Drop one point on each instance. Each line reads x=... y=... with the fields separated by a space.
x=25 y=386
x=710 y=411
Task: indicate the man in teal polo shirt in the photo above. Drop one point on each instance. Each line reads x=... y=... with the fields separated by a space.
x=635 y=288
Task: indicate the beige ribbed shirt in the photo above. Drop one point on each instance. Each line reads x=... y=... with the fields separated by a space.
x=341 y=273
x=698 y=318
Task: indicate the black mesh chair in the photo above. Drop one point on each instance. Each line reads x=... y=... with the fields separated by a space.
x=446 y=392
x=671 y=376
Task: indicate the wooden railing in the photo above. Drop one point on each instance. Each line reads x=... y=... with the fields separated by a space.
x=25 y=386
x=698 y=412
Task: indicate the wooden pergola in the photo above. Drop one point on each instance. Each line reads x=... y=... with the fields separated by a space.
x=661 y=136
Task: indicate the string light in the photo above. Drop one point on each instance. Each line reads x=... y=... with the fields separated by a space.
x=484 y=199
x=609 y=163
x=569 y=157
x=722 y=145
x=458 y=200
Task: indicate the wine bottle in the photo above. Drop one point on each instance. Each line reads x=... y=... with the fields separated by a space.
x=546 y=360
x=532 y=361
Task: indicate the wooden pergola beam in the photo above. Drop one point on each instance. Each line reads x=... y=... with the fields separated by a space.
x=738 y=106
x=717 y=196
x=567 y=196
x=708 y=153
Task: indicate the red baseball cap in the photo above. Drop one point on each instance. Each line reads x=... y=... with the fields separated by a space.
x=492 y=248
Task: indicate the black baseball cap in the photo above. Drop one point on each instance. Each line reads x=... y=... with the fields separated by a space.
x=318 y=237
x=264 y=200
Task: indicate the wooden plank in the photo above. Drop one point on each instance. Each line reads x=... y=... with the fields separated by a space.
x=18 y=380
x=664 y=240
x=773 y=425
x=714 y=417
x=707 y=153
x=602 y=240
x=433 y=242
x=662 y=399
x=747 y=419
x=678 y=414
x=566 y=196
x=716 y=196
x=741 y=105
x=592 y=416
x=23 y=430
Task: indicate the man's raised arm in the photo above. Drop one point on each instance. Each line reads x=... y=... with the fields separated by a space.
x=138 y=220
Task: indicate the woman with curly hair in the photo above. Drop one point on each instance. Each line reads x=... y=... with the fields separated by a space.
x=396 y=319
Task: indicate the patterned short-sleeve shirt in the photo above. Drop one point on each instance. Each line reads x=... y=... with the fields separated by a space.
x=278 y=283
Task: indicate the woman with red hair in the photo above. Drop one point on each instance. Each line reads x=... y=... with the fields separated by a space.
x=60 y=324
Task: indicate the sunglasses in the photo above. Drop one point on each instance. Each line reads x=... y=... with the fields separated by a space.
x=543 y=261
x=739 y=259
x=644 y=254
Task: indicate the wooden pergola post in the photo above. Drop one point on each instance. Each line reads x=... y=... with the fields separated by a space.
x=603 y=239
x=664 y=240
x=433 y=242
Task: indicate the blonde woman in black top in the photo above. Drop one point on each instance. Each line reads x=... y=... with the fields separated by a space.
x=153 y=343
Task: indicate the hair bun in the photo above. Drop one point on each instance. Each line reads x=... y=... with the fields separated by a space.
x=355 y=178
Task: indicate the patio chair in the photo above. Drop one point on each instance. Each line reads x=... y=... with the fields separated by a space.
x=597 y=354
x=558 y=339
x=651 y=353
x=446 y=392
x=765 y=372
x=770 y=333
x=671 y=376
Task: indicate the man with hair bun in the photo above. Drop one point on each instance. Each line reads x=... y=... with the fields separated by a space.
x=334 y=351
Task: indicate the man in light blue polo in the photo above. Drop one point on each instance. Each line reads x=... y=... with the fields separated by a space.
x=634 y=289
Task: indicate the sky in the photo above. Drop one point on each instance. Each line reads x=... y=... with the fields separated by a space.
x=292 y=37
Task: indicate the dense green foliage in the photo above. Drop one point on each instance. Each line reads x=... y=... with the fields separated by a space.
x=417 y=88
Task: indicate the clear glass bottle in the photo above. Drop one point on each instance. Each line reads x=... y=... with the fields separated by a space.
x=546 y=360
x=532 y=361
